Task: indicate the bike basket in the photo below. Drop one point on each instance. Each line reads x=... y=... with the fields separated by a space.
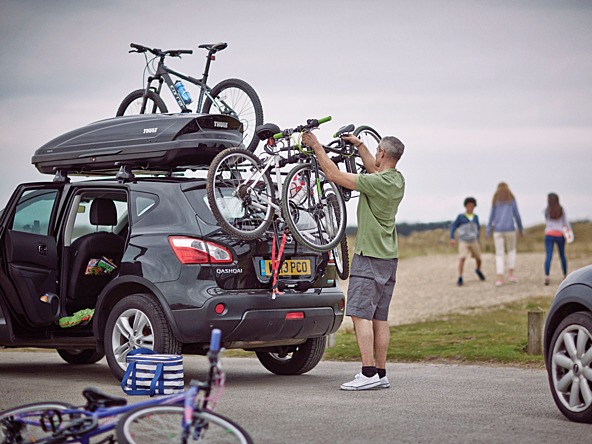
x=149 y=373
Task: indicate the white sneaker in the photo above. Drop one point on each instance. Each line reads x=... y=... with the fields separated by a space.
x=361 y=382
x=384 y=382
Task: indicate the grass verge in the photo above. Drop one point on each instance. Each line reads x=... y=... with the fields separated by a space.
x=498 y=335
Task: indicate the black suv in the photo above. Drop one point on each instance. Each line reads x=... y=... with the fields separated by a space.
x=147 y=255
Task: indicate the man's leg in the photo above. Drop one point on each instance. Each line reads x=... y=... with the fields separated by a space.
x=382 y=336
x=365 y=339
x=369 y=377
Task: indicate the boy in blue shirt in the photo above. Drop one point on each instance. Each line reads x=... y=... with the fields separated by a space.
x=468 y=227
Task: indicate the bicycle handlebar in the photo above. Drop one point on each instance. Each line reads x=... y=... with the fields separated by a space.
x=159 y=52
x=310 y=124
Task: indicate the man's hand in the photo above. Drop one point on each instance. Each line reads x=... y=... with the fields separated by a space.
x=350 y=138
x=342 y=178
x=309 y=139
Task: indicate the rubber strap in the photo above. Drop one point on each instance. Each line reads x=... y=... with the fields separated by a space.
x=276 y=264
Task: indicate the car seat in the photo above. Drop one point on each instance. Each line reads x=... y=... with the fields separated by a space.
x=84 y=286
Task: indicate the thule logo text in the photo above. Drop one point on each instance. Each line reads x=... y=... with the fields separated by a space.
x=220 y=124
x=150 y=130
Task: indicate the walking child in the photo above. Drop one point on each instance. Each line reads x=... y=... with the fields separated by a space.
x=468 y=227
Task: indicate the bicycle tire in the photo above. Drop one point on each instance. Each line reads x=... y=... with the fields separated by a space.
x=371 y=139
x=240 y=209
x=132 y=104
x=162 y=424
x=244 y=104
x=15 y=430
x=316 y=221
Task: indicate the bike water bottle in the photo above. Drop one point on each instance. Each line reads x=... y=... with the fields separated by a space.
x=183 y=92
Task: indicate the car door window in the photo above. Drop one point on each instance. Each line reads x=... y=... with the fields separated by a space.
x=33 y=211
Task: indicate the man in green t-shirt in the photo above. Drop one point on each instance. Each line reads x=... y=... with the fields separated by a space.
x=374 y=265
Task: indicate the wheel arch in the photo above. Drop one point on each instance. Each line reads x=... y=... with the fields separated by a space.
x=570 y=300
x=118 y=290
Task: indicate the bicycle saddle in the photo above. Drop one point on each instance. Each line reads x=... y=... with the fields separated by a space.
x=96 y=399
x=345 y=130
x=214 y=47
x=267 y=130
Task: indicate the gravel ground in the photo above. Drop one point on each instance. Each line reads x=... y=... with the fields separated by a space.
x=426 y=286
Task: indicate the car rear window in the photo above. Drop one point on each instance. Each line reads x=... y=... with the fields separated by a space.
x=198 y=200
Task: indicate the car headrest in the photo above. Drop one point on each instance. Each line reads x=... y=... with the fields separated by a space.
x=103 y=212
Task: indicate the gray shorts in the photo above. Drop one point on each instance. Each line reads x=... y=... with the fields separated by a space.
x=371 y=285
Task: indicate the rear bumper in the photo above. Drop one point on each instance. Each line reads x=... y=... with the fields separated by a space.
x=256 y=317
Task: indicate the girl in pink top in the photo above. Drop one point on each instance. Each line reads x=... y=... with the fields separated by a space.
x=556 y=222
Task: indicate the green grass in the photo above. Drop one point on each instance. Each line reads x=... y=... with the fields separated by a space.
x=498 y=335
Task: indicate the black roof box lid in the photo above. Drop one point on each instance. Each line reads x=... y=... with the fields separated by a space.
x=154 y=142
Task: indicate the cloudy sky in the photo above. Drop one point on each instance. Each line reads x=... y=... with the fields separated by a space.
x=479 y=91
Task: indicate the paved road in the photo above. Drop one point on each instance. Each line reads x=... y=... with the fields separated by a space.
x=426 y=404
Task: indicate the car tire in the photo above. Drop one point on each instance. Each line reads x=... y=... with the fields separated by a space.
x=80 y=356
x=303 y=359
x=569 y=368
x=136 y=321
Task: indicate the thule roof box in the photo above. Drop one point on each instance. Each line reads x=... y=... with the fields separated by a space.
x=149 y=142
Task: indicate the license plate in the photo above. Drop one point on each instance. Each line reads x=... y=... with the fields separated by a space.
x=290 y=267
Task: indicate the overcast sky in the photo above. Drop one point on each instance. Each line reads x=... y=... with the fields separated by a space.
x=479 y=91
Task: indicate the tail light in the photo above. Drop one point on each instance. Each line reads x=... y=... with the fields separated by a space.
x=190 y=250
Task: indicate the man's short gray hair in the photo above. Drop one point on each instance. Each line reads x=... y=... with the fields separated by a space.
x=392 y=147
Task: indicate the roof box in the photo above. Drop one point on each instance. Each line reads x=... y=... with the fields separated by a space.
x=152 y=142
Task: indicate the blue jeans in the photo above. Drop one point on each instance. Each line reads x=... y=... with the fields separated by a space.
x=550 y=241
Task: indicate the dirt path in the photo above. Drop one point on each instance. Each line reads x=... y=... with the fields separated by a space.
x=426 y=286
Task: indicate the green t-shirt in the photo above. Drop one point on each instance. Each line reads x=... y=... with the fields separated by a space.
x=380 y=196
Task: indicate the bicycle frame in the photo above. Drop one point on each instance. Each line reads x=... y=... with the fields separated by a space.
x=276 y=161
x=163 y=75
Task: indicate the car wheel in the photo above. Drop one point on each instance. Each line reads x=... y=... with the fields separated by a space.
x=80 y=356
x=136 y=321
x=289 y=361
x=568 y=367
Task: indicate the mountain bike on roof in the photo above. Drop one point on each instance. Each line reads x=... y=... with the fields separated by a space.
x=232 y=97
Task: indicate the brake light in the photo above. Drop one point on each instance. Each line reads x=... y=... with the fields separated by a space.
x=190 y=250
x=295 y=315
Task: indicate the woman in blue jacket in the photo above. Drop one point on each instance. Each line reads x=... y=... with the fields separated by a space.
x=503 y=222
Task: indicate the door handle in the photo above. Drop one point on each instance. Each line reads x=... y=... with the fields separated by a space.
x=42 y=248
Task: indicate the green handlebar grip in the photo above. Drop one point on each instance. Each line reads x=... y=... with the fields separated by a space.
x=277 y=136
x=324 y=119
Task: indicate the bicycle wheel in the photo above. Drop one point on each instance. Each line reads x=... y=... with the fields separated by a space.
x=132 y=104
x=371 y=139
x=237 y=98
x=341 y=258
x=24 y=423
x=313 y=208
x=163 y=424
x=239 y=194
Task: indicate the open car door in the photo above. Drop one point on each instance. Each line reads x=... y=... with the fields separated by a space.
x=29 y=260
